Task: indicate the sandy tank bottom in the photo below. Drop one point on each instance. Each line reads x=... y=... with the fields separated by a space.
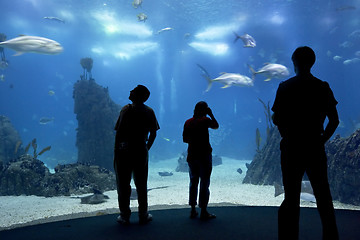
x=165 y=192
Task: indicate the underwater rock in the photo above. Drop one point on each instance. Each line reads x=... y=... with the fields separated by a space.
x=87 y=64
x=344 y=168
x=216 y=160
x=29 y=176
x=184 y=167
x=80 y=178
x=265 y=168
x=182 y=163
x=96 y=114
x=24 y=175
x=10 y=147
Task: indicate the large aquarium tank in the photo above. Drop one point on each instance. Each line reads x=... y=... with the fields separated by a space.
x=67 y=68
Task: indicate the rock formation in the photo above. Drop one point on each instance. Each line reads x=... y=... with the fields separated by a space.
x=96 y=114
x=184 y=167
x=182 y=163
x=343 y=166
x=29 y=176
x=265 y=167
x=10 y=140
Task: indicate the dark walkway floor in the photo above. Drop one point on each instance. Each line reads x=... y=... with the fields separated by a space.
x=231 y=223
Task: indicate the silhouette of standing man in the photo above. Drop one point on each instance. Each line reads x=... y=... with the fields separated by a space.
x=135 y=133
x=199 y=157
x=301 y=105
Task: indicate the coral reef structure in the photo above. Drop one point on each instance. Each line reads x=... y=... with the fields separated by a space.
x=87 y=64
x=29 y=176
x=343 y=166
x=96 y=114
x=10 y=140
x=265 y=168
x=182 y=163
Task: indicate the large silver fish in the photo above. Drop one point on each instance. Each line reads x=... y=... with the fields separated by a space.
x=248 y=40
x=271 y=70
x=228 y=79
x=32 y=44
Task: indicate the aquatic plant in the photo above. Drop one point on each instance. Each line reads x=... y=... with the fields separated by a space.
x=2 y=37
x=87 y=64
x=96 y=114
x=258 y=140
x=17 y=146
x=269 y=124
x=34 y=145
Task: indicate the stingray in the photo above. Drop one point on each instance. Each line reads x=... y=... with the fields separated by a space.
x=165 y=174
x=134 y=195
x=306 y=194
x=96 y=198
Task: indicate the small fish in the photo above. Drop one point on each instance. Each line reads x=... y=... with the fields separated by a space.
x=45 y=120
x=228 y=79
x=271 y=70
x=165 y=174
x=55 y=19
x=337 y=58
x=137 y=3
x=164 y=30
x=307 y=193
x=346 y=44
x=248 y=40
x=142 y=17
x=51 y=93
x=4 y=64
x=355 y=34
x=343 y=8
x=32 y=44
x=166 y=139
x=351 y=61
x=2 y=78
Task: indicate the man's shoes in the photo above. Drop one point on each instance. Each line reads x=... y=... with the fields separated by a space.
x=145 y=218
x=123 y=220
x=193 y=213
x=205 y=215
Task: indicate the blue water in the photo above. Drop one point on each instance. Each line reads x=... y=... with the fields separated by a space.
x=127 y=52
